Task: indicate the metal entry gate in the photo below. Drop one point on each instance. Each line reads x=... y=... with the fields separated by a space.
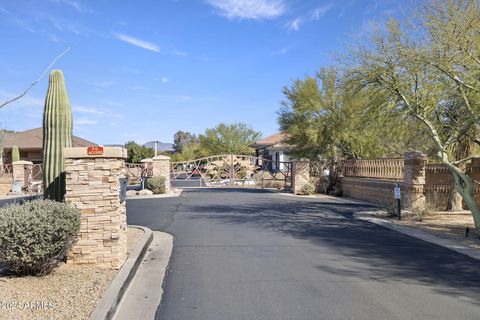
x=232 y=171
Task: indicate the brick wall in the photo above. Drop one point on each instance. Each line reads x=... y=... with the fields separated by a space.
x=372 y=190
x=424 y=184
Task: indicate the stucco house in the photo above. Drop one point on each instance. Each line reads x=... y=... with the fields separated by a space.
x=273 y=148
x=30 y=143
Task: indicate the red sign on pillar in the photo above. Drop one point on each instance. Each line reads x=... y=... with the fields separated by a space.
x=95 y=151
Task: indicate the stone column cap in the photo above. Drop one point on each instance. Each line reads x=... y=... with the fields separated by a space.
x=22 y=162
x=414 y=154
x=147 y=160
x=108 y=152
x=160 y=157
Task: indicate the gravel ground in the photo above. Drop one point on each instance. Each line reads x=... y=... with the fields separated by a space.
x=447 y=225
x=69 y=292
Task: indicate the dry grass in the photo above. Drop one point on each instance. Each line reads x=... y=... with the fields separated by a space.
x=447 y=225
x=69 y=292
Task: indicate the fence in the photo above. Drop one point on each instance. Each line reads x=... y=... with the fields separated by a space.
x=6 y=170
x=374 y=179
x=384 y=168
x=136 y=171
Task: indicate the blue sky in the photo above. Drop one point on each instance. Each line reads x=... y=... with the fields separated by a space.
x=141 y=70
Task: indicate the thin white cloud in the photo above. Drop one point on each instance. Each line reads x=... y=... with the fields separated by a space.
x=164 y=79
x=53 y=38
x=314 y=15
x=74 y=4
x=279 y=52
x=84 y=121
x=295 y=24
x=104 y=84
x=249 y=9
x=137 y=42
x=85 y=109
x=64 y=25
x=138 y=88
x=320 y=12
x=179 y=53
x=24 y=26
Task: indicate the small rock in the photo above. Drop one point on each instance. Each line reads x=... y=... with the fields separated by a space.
x=131 y=193
x=145 y=192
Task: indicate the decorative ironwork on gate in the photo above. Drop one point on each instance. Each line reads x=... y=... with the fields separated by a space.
x=234 y=171
x=5 y=169
x=135 y=172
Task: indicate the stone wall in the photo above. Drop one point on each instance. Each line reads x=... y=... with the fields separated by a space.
x=161 y=168
x=372 y=190
x=6 y=182
x=92 y=186
x=423 y=184
x=300 y=176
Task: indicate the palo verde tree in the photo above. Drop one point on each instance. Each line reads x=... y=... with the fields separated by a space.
x=233 y=138
x=415 y=70
x=325 y=120
x=183 y=138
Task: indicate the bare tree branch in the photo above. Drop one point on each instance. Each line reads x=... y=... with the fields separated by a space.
x=464 y=160
x=36 y=81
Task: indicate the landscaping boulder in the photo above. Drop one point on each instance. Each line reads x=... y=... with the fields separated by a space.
x=131 y=193
x=145 y=192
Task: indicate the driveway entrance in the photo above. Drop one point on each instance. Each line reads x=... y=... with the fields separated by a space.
x=253 y=254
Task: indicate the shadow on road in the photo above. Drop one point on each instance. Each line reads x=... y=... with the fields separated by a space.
x=370 y=251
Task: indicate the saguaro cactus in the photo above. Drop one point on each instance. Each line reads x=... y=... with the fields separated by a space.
x=15 y=154
x=57 y=134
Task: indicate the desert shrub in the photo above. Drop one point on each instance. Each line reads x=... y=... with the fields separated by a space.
x=270 y=184
x=156 y=185
x=36 y=236
x=307 y=188
x=390 y=208
x=427 y=210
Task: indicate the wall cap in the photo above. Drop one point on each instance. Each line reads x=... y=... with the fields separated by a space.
x=160 y=157
x=108 y=152
x=23 y=162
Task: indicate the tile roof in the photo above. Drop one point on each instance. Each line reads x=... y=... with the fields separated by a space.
x=33 y=139
x=274 y=139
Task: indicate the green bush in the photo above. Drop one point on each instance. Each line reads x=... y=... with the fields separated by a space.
x=156 y=185
x=36 y=236
x=307 y=188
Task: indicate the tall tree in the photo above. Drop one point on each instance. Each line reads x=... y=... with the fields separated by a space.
x=412 y=71
x=136 y=153
x=233 y=138
x=182 y=138
x=324 y=119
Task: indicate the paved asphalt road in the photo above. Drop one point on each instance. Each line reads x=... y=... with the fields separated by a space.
x=245 y=254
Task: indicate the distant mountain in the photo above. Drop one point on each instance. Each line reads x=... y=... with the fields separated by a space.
x=114 y=145
x=161 y=146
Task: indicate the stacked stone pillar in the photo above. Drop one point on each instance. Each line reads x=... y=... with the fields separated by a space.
x=414 y=180
x=19 y=171
x=93 y=186
x=300 y=175
x=161 y=168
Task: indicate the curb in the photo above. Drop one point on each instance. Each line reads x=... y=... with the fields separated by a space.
x=422 y=235
x=167 y=270
x=145 y=294
x=156 y=196
x=5 y=201
x=107 y=306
